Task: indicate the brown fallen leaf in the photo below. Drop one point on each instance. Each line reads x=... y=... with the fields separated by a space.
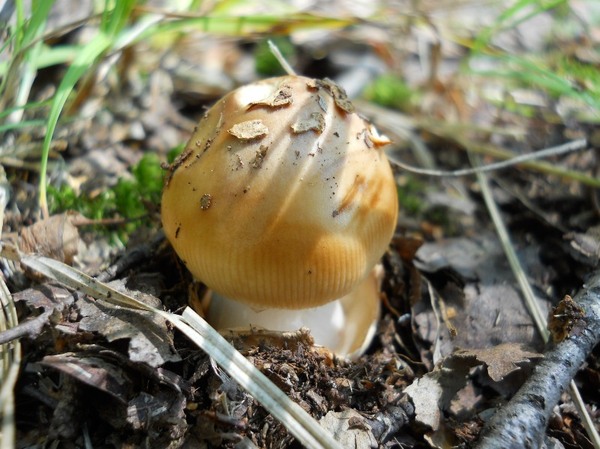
x=52 y=299
x=500 y=360
x=93 y=371
x=479 y=294
x=426 y=394
x=157 y=412
x=56 y=237
x=148 y=334
x=433 y=393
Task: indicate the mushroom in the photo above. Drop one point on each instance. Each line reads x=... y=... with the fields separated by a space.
x=284 y=199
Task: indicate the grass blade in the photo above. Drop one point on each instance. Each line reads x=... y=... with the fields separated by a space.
x=112 y=22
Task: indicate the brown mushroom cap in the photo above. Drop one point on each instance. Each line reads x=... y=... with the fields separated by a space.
x=283 y=197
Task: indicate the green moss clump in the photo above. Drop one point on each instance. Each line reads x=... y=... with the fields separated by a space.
x=133 y=199
x=391 y=92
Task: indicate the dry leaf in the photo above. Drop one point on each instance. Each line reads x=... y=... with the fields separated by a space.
x=478 y=292
x=93 y=371
x=432 y=393
x=54 y=237
x=425 y=393
x=52 y=299
x=500 y=360
x=148 y=334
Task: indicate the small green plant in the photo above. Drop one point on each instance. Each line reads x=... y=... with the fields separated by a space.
x=584 y=77
x=132 y=199
x=112 y=22
x=65 y=198
x=391 y=92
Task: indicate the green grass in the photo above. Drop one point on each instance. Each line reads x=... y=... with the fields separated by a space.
x=570 y=78
x=112 y=22
x=516 y=14
x=551 y=72
x=25 y=44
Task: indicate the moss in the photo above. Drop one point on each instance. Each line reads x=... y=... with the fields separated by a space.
x=390 y=91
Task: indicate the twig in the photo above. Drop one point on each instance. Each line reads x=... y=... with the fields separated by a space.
x=403 y=127
x=28 y=328
x=553 y=151
x=531 y=304
x=522 y=422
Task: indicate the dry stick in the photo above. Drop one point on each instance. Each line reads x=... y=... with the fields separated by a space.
x=522 y=422
x=280 y=58
x=530 y=300
x=405 y=128
x=568 y=147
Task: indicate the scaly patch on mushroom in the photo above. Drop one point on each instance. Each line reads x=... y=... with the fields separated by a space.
x=302 y=206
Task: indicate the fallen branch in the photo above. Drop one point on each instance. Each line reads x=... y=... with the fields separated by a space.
x=522 y=422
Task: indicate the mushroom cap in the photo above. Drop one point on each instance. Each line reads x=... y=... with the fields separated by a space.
x=283 y=197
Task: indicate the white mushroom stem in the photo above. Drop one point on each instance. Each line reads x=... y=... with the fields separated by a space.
x=345 y=326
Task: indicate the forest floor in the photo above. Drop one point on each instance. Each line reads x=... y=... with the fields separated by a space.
x=452 y=85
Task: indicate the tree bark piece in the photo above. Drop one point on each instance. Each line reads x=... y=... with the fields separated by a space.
x=522 y=422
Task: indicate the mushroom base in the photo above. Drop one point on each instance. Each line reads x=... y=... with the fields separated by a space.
x=344 y=326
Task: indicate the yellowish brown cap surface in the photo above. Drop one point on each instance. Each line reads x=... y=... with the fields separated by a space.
x=283 y=197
